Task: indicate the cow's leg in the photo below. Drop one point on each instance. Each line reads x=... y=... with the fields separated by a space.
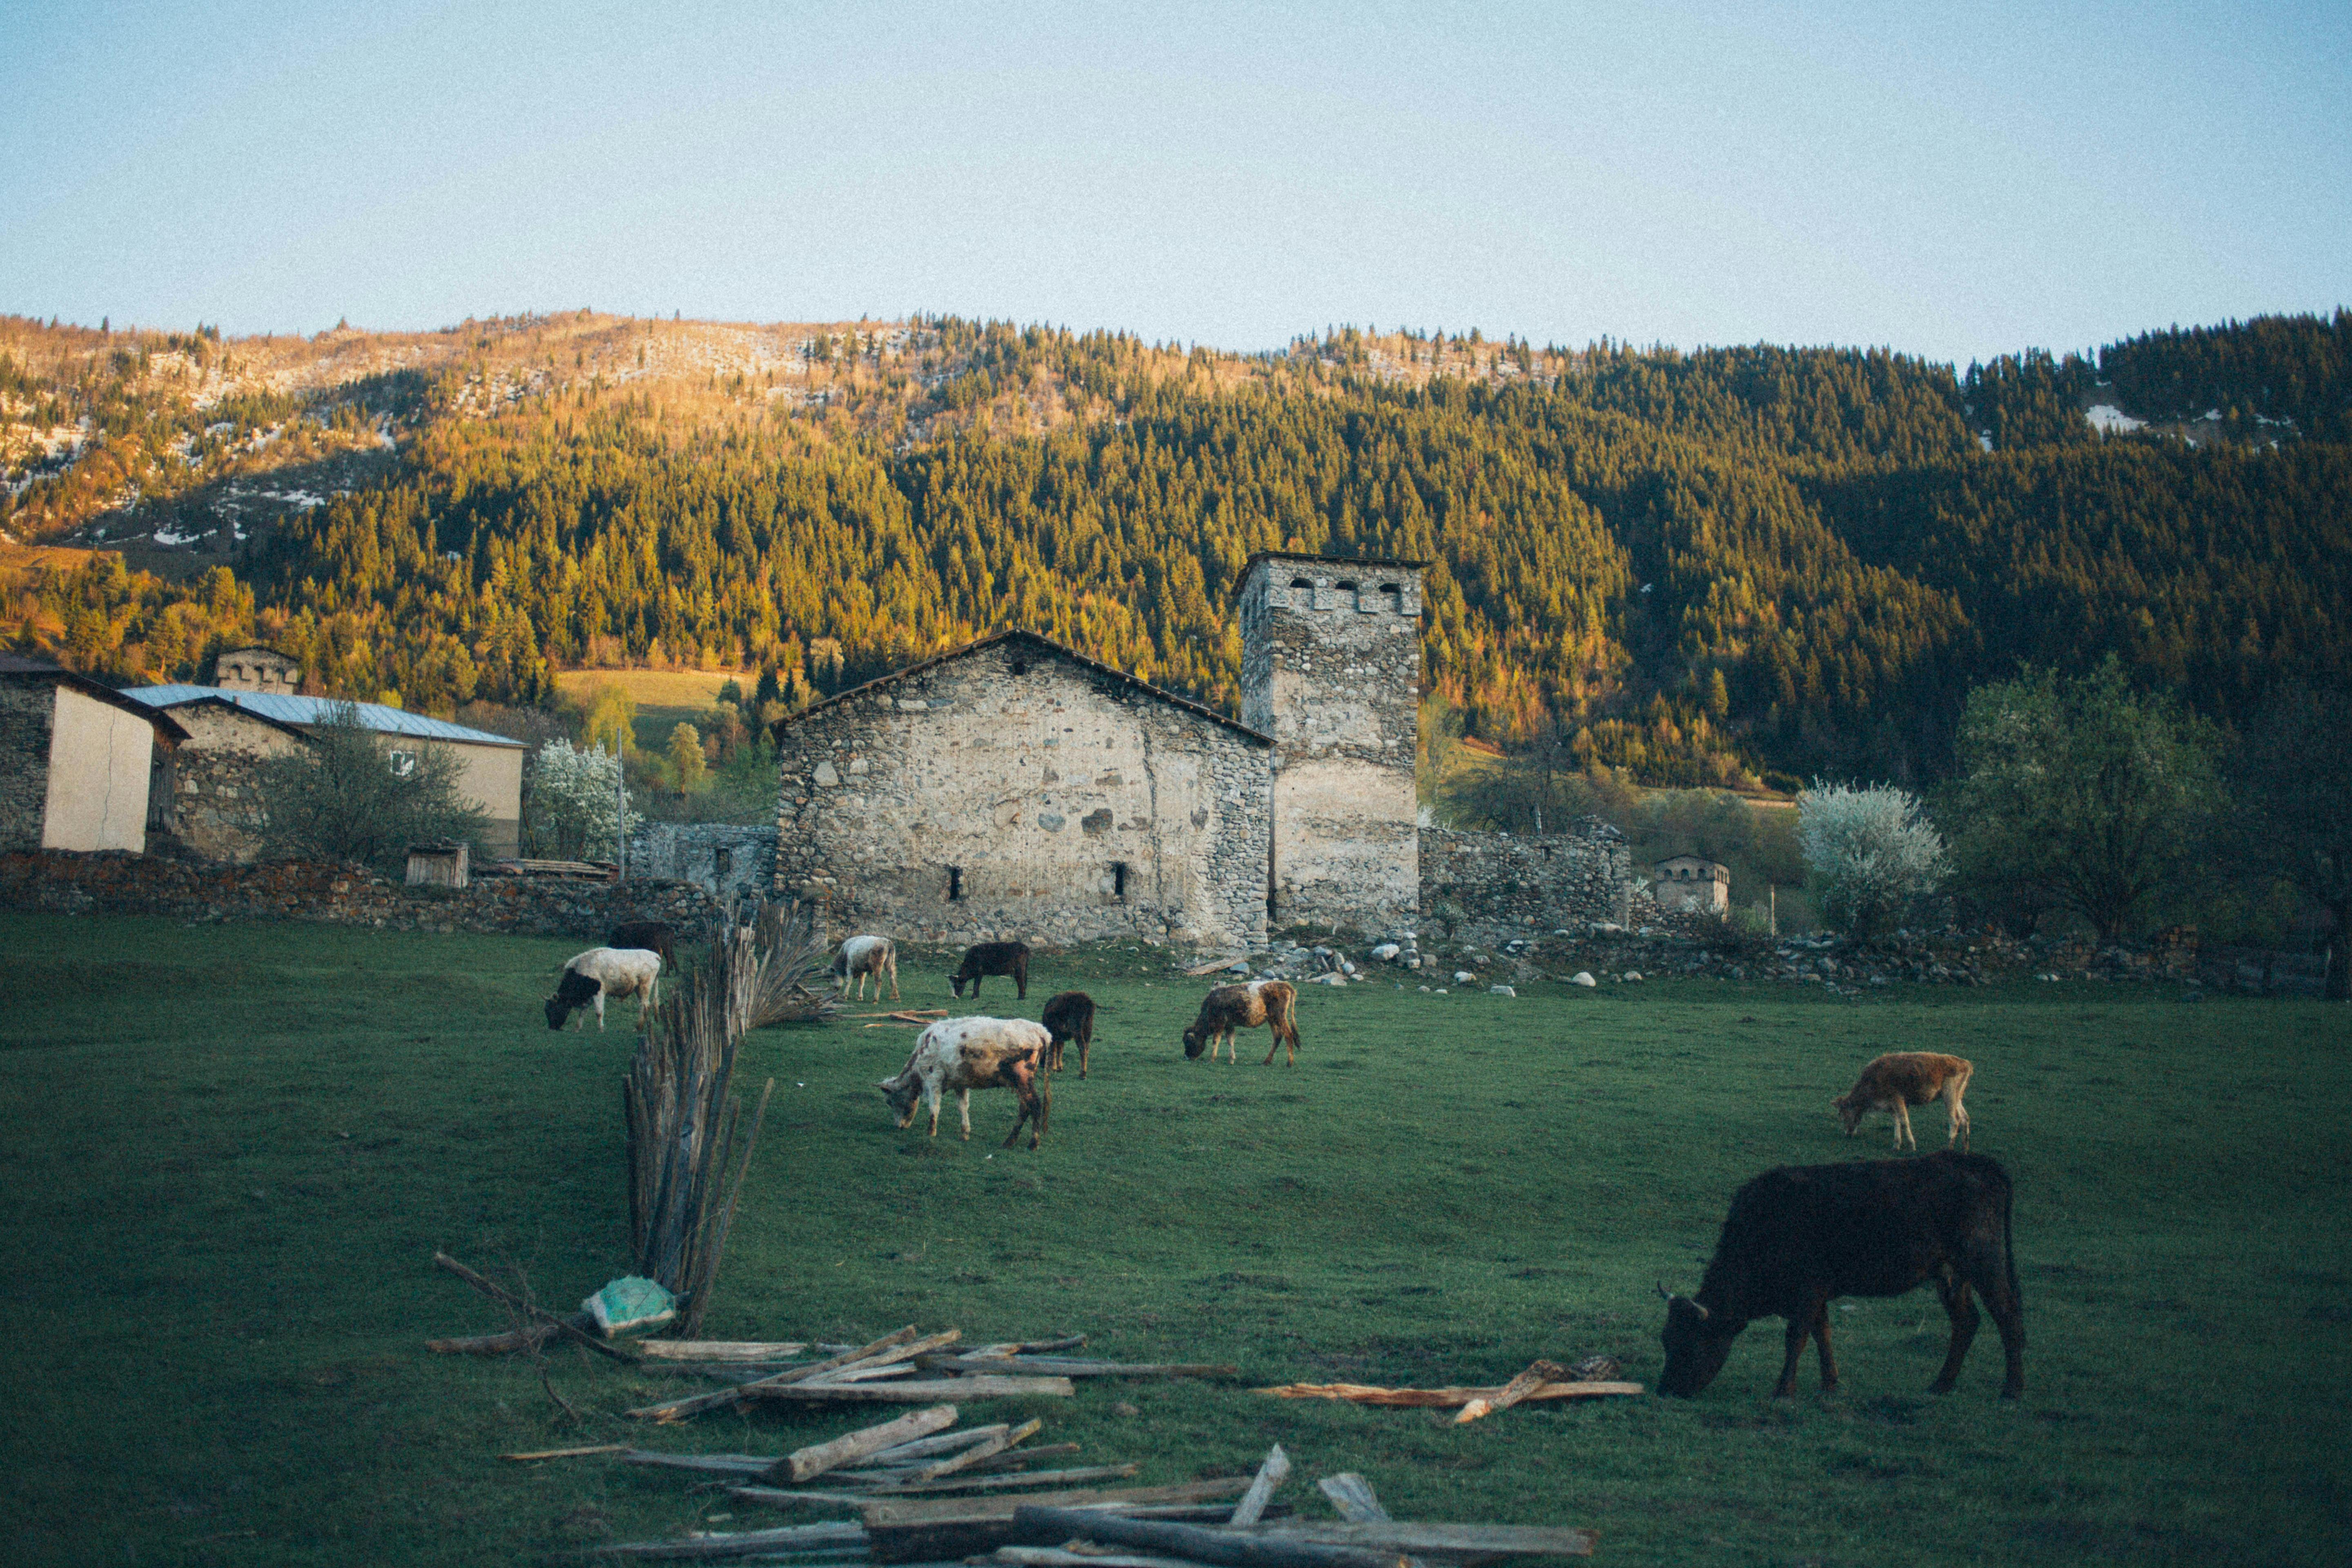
x=1821 y=1344
x=1903 y=1127
x=1988 y=1268
x=1085 y=1049
x=1956 y=1120
x=1800 y=1329
x=1273 y=1045
x=894 y=981
x=1026 y=1082
x=599 y=1012
x=1954 y=1289
x=964 y=1108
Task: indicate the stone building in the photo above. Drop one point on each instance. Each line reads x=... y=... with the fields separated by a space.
x=212 y=790
x=1491 y=887
x=257 y=669
x=729 y=860
x=1331 y=672
x=1693 y=884
x=76 y=760
x=490 y=766
x=1015 y=788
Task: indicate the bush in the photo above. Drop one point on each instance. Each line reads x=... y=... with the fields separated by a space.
x=575 y=802
x=353 y=794
x=1869 y=853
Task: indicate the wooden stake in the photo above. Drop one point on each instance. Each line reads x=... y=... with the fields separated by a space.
x=1511 y=1394
x=1036 y=1525
x=571 y=1453
x=718 y=1399
x=988 y=1449
x=806 y=1464
x=1270 y=1475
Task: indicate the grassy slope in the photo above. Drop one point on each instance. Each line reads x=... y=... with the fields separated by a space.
x=232 y=1151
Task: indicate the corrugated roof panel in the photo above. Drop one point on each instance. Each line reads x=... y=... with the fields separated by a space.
x=288 y=709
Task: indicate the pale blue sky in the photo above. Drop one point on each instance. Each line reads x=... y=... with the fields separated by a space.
x=1974 y=180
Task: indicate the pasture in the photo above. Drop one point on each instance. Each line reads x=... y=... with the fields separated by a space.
x=231 y=1152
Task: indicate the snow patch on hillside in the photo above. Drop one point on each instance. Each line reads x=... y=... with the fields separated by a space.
x=2110 y=420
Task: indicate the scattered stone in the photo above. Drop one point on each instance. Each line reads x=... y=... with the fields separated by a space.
x=1463 y=977
x=1501 y=991
x=1634 y=977
x=1582 y=977
x=1386 y=952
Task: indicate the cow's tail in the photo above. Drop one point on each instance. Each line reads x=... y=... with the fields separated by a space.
x=1282 y=1012
x=2009 y=1238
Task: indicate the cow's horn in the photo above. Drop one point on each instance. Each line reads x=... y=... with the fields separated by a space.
x=1703 y=1313
x=1665 y=1294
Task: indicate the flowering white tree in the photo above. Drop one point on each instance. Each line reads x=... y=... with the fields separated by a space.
x=575 y=802
x=1869 y=852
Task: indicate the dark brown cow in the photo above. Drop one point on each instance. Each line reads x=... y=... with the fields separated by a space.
x=1071 y=1016
x=652 y=936
x=1801 y=1236
x=1274 y=1003
x=993 y=958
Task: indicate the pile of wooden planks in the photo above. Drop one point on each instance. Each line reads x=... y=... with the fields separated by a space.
x=1226 y=1523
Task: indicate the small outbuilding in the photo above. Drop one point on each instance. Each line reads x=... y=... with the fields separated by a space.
x=77 y=759
x=1693 y=883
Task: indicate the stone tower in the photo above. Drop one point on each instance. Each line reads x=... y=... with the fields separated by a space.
x=1332 y=670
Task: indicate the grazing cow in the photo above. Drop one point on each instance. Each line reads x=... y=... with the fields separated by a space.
x=602 y=971
x=993 y=958
x=1274 y=1003
x=965 y=1054
x=1901 y=1079
x=1071 y=1016
x=1802 y=1235
x=653 y=936
x=863 y=955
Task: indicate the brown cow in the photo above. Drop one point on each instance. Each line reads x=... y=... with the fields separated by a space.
x=1272 y=1003
x=1070 y=1016
x=960 y=1055
x=1900 y=1079
x=987 y=958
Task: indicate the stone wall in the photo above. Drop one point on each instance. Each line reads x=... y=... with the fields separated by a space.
x=216 y=810
x=1013 y=791
x=725 y=859
x=1504 y=886
x=63 y=883
x=27 y=708
x=1331 y=672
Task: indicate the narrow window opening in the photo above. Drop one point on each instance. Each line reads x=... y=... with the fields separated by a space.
x=1392 y=598
x=1354 y=600
x=955 y=884
x=723 y=860
x=1118 y=880
x=1020 y=667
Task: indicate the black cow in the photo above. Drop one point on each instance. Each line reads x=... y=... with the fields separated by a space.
x=1067 y=1017
x=1799 y=1237
x=652 y=936
x=993 y=958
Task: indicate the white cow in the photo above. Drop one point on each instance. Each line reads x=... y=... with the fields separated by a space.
x=863 y=955
x=602 y=971
x=965 y=1054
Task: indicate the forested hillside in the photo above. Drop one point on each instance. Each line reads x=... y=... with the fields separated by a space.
x=1722 y=567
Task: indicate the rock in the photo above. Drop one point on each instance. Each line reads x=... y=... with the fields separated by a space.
x=1463 y=977
x=1329 y=980
x=1439 y=992
x=1241 y=969
x=1582 y=977
x=1386 y=952
x=825 y=776
x=1424 y=990
x=1501 y=991
x=1634 y=975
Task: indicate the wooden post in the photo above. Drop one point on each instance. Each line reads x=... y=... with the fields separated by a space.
x=1270 y=1475
x=806 y=1464
x=1039 y=1526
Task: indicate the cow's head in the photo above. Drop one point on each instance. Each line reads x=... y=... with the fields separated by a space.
x=1196 y=1040
x=1697 y=1344
x=559 y=1011
x=902 y=1093
x=1850 y=1108
x=957 y=979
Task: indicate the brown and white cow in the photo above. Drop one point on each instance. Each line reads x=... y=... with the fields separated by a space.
x=860 y=956
x=1900 y=1079
x=1272 y=1003
x=961 y=1055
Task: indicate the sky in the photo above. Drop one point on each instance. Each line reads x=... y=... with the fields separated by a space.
x=1966 y=180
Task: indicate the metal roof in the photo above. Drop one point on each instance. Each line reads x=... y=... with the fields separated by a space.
x=286 y=708
x=18 y=666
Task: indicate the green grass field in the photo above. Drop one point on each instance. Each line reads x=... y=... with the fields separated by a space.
x=232 y=1151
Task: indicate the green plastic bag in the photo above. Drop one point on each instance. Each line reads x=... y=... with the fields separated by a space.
x=630 y=1305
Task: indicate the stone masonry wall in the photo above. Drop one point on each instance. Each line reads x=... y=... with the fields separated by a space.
x=61 y=882
x=1504 y=886
x=1331 y=671
x=729 y=859
x=27 y=710
x=1014 y=792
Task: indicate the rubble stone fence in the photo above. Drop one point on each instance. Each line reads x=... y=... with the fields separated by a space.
x=61 y=882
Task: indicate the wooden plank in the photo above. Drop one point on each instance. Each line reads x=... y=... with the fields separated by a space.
x=1018 y=1459
x=925 y=1391
x=1068 y=1366
x=1037 y=1525
x=838 y=1533
x=1270 y=1475
x=1082 y=1476
x=718 y=1399
x=1537 y=1375
x=925 y=1448
x=1357 y=1503
x=868 y=1373
x=915 y=1530
x=806 y=1463
x=987 y=1450
x=1441 y=1398
x=571 y=1453
x=1394 y=1536
x=742 y=1465
x=721 y=1350
x=1054 y=1557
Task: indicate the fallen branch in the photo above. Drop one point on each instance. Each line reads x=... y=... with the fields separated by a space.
x=1441 y=1398
x=720 y=1398
x=806 y=1463
x=537 y=1314
x=921 y=1391
x=1511 y=1394
x=1037 y=1525
x=743 y=1542
x=571 y=1453
x=1270 y=1475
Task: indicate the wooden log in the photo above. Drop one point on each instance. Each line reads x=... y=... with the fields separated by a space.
x=1441 y=1398
x=1450 y=1541
x=1270 y=1475
x=916 y=1530
x=739 y=1465
x=924 y=1391
x=1019 y=1457
x=988 y=1449
x=1537 y=1375
x=806 y=1463
x=1030 y=1347
x=1037 y=1525
x=1067 y=1366
x=867 y=1373
x=536 y=1314
x=721 y=1350
x=720 y=1399
x=1357 y=1503
x=925 y=1448
x=1085 y=1475
x=1054 y=1557
x=572 y=1453
x=840 y=1534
